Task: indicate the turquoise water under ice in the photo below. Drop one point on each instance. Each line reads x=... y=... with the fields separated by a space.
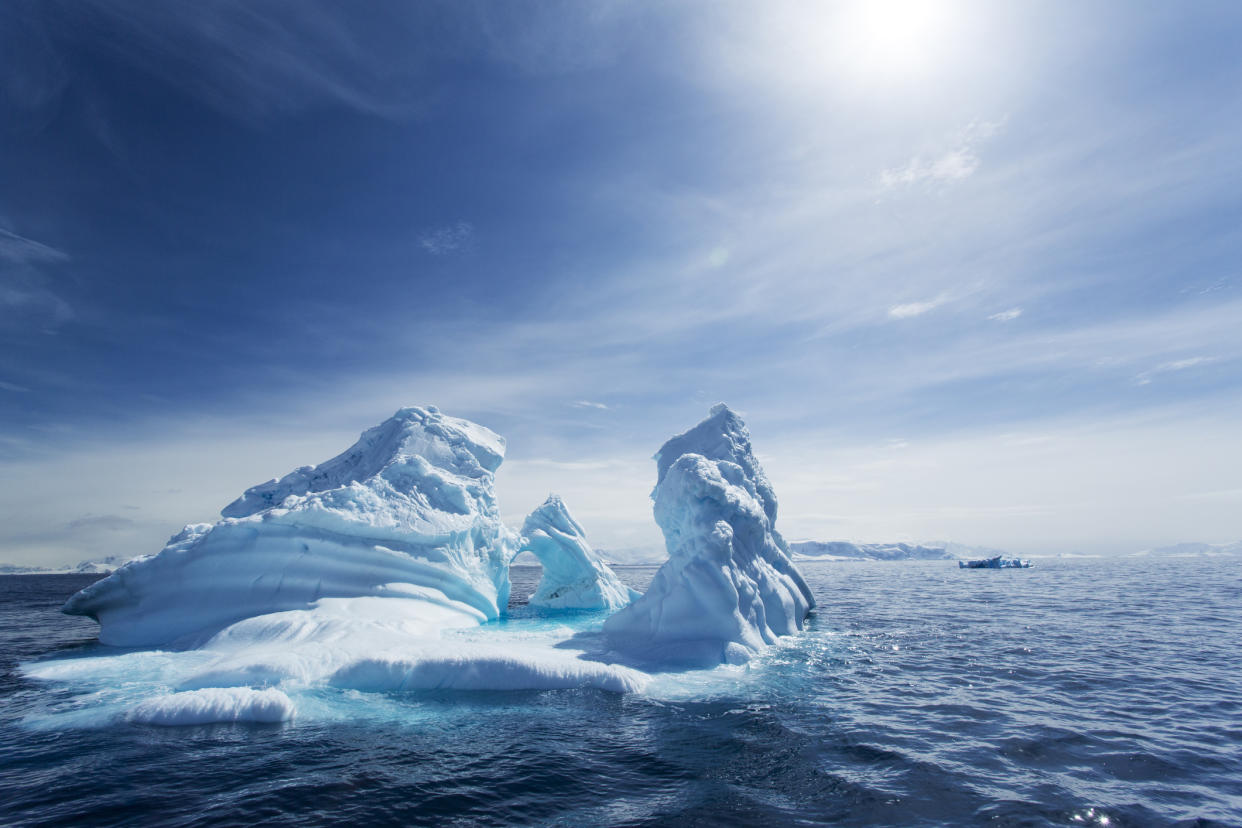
x=1080 y=692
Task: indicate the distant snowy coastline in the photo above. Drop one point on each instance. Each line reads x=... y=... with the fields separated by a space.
x=1191 y=550
x=104 y=566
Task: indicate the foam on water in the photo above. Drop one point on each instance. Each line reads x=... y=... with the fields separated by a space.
x=213 y=705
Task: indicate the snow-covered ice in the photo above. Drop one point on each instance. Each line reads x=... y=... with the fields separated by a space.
x=386 y=569
x=409 y=511
x=352 y=574
x=729 y=587
x=995 y=562
x=574 y=576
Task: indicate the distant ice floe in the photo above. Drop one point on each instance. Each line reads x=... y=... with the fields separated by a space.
x=369 y=573
x=995 y=562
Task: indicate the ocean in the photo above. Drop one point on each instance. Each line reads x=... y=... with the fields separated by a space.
x=1080 y=692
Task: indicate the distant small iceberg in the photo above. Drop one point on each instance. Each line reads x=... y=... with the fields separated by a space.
x=997 y=562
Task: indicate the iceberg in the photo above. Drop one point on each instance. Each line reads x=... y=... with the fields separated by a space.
x=408 y=512
x=380 y=569
x=574 y=576
x=729 y=587
x=995 y=562
x=366 y=573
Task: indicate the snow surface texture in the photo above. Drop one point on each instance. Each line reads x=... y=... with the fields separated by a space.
x=729 y=587
x=574 y=577
x=407 y=512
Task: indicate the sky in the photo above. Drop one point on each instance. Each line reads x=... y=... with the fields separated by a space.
x=969 y=270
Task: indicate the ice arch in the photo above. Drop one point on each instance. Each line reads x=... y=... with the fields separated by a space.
x=574 y=576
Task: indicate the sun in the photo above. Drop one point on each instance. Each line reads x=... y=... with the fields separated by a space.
x=897 y=38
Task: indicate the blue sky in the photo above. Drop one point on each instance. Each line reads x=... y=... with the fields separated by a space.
x=969 y=270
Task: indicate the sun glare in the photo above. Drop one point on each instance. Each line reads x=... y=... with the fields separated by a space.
x=897 y=38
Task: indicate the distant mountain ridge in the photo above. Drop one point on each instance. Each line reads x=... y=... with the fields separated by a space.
x=809 y=550
x=1191 y=550
x=634 y=555
x=104 y=566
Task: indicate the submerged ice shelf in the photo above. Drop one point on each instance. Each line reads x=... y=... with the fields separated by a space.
x=361 y=573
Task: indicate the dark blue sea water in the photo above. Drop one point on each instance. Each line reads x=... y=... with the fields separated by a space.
x=1079 y=692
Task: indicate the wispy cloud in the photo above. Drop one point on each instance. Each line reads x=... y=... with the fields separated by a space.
x=959 y=161
x=21 y=250
x=1007 y=315
x=440 y=241
x=9 y=386
x=27 y=299
x=1146 y=377
x=589 y=404
x=909 y=309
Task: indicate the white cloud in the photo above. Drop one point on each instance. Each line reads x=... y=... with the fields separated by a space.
x=915 y=308
x=1006 y=316
x=589 y=404
x=958 y=162
x=440 y=241
x=1145 y=377
x=9 y=386
x=21 y=250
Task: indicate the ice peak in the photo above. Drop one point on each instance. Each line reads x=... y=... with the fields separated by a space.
x=729 y=587
x=409 y=509
x=722 y=436
x=553 y=512
x=574 y=576
x=454 y=445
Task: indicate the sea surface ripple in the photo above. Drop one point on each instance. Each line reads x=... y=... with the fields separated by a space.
x=1080 y=692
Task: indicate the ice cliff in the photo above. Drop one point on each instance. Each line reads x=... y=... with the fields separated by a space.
x=729 y=586
x=574 y=577
x=407 y=512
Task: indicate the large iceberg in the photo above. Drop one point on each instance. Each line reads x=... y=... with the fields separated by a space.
x=574 y=577
x=380 y=569
x=367 y=572
x=729 y=586
x=408 y=512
